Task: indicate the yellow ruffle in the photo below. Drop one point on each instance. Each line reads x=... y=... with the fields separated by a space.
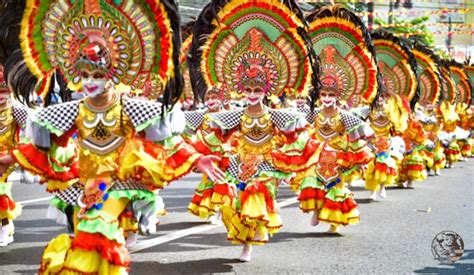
x=311 y=205
x=203 y=210
x=336 y=217
x=253 y=224
x=60 y=258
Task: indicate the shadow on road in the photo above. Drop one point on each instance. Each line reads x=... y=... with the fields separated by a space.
x=206 y=266
x=290 y=236
x=458 y=267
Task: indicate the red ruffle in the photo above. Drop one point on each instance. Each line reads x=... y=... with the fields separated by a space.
x=198 y=198
x=311 y=193
x=223 y=189
x=6 y=204
x=112 y=251
x=300 y=160
x=345 y=207
x=202 y=148
x=384 y=168
x=354 y=158
x=41 y=161
x=259 y=187
x=415 y=167
x=451 y=152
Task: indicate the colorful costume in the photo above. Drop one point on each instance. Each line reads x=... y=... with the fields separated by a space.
x=416 y=139
x=12 y=119
x=389 y=116
x=254 y=48
x=126 y=147
x=349 y=71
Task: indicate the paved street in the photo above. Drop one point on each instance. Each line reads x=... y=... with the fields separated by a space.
x=393 y=237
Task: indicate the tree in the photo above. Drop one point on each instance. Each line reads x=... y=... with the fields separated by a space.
x=415 y=29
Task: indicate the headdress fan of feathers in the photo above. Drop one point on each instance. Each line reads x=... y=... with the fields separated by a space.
x=141 y=36
x=461 y=82
x=261 y=40
x=20 y=80
x=448 y=87
x=187 y=36
x=469 y=70
x=346 y=53
x=428 y=73
x=397 y=65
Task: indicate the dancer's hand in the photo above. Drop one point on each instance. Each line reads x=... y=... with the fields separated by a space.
x=206 y=166
x=7 y=159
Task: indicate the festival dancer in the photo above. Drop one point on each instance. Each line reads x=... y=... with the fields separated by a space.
x=344 y=135
x=390 y=115
x=210 y=196
x=413 y=166
x=254 y=61
x=123 y=152
x=12 y=120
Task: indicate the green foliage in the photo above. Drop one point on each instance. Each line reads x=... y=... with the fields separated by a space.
x=412 y=27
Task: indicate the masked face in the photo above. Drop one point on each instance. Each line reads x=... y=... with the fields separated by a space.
x=300 y=102
x=328 y=98
x=254 y=95
x=213 y=102
x=93 y=82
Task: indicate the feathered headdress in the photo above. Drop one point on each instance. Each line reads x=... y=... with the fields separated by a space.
x=346 y=53
x=397 y=65
x=469 y=70
x=188 y=94
x=461 y=82
x=134 y=38
x=448 y=87
x=428 y=73
x=251 y=42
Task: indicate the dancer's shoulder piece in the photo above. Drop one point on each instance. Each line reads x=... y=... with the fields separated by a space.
x=288 y=120
x=226 y=120
x=194 y=119
x=59 y=118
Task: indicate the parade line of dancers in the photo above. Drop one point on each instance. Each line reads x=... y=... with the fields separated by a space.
x=108 y=102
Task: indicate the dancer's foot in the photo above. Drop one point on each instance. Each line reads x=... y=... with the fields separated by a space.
x=437 y=172
x=214 y=219
x=246 y=255
x=333 y=229
x=431 y=173
x=131 y=240
x=6 y=234
x=315 y=218
x=410 y=184
x=383 y=192
x=405 y=184
x=373 y=196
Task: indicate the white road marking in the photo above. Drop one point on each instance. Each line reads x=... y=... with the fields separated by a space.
x=35 y=200
x=190 y=231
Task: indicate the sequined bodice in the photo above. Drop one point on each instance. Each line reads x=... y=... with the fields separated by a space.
x=256 y=133
x=102 y=131
x=380 y=123
x=328 y=127
x=7 y=129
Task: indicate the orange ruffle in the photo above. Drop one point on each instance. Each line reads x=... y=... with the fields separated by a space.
x=300 y=160
x=6 y=204
x=38 y=162
x=112 y=251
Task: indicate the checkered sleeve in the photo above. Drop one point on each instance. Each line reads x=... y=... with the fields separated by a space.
x=349 y=120
x=226 y=120
x=20 y=113
x=288 y=120
x=142 y=113
x=361 y=112
x=194 y=119
x=58 y=118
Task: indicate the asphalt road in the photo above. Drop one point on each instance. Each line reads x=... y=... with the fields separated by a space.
x=394 y=235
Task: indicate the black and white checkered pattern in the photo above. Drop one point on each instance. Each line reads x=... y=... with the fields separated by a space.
x=60 y=116
x=282 y=117
x=140 y=111
x=69 y=195
x=312 y=115
x=235 y=164
x=194 y=119
x=20 y=113
x=228 y=119
x=349 y=120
